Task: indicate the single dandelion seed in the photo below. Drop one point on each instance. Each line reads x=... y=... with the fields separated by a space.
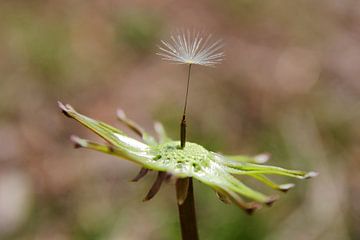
x=192 y=48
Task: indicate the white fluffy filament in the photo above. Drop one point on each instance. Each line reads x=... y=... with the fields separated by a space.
x=192 y=48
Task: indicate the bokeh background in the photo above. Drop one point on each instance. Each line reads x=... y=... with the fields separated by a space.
x=289 y=86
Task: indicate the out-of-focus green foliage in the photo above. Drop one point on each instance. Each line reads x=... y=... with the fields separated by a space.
x=139 y=30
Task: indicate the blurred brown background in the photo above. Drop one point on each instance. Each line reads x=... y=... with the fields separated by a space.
x=289 y=85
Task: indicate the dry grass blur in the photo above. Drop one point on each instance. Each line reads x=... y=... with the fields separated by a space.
x=289 y=85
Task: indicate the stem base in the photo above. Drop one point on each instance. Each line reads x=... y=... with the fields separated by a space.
x=187 y=215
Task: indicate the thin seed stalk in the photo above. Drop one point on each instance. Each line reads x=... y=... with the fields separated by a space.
x=183 y=120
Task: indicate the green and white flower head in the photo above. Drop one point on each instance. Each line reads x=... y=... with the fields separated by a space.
x=164 y=156
x=191 y=47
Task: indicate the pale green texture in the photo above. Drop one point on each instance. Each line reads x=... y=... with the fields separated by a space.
x=213 y=169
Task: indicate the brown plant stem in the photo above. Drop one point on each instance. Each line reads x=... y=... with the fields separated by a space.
x=187 y=214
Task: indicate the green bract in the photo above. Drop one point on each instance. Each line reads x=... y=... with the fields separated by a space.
x=166 y=157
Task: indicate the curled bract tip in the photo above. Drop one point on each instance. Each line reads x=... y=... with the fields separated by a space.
x=286 y=187
x=270 y=201
x=311 y=175
x=252 y=208
x=262 y=158
x=78 y=142
x=64 y=108
x=121 y=114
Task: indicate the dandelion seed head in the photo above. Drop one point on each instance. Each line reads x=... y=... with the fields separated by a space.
x=216 y=170
x=186 y=47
